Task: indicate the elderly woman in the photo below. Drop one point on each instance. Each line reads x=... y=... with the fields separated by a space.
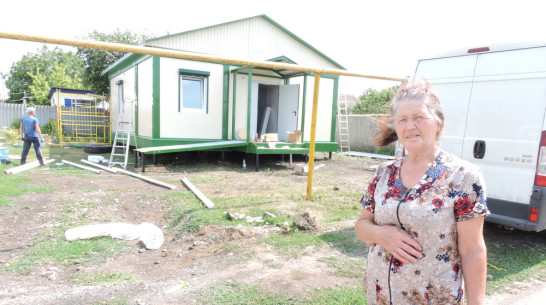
x=423 y=214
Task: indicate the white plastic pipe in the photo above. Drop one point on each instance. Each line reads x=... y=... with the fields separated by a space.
x=26 y=166
x=198 y=193
x=82 y=166
x=170 y=186
x=108 y=169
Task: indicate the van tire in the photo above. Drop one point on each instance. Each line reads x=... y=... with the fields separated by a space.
x=97 y=148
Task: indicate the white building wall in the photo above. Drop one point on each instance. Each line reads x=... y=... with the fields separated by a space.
x=190 y=124
x=250 y=39
x=129 y=94
x=324 y=113
x=57 y=98
x=145 y=98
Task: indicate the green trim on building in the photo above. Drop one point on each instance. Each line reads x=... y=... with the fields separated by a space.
x=334 y=109
x=179 y=96
x=249 y=147
x=296 y=149
x=234 y=108
x=249 y=105
x=287 y=148
x=303 y=106
x=329 y=76
x=124 y=64
x=264 y=75
x=150 y=142
x=136 y=102
x=242 y=70
x=282 y=59
x=156 y=95
x=225 y=103
x=194 y=72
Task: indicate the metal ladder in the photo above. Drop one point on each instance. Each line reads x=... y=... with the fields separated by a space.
x=343 y=126
x=122 y=138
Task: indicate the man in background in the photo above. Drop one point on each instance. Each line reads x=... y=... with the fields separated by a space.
x=31 y=134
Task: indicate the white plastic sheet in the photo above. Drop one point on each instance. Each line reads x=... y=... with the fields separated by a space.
x=149 y=234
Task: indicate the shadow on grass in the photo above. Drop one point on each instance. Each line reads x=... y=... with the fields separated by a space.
x=346 y=241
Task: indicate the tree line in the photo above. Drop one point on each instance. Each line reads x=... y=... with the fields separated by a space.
x=36 y=73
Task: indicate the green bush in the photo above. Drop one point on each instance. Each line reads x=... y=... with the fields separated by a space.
x=16 y=123
x=385 y=151
x=51 y=127
x=10 y=135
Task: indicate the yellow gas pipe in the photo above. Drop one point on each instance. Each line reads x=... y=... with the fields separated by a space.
x=209 y=58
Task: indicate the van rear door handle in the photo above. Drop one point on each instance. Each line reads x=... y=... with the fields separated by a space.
x=479 y=149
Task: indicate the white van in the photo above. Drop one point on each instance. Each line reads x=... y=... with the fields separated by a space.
x=494 y=102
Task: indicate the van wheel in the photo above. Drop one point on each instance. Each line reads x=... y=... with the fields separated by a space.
x=97 y=148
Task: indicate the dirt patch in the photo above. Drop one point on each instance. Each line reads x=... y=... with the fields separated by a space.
x=187 y=263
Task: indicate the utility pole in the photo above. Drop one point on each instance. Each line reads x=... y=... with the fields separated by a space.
x=25 y=102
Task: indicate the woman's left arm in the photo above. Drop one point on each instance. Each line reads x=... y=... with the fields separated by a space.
x=474 y=258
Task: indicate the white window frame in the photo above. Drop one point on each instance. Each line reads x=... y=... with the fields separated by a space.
x=203 y=78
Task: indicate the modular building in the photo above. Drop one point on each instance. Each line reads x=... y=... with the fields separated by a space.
x=182 y=104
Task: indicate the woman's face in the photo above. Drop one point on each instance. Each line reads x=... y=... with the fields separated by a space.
x=415 y=126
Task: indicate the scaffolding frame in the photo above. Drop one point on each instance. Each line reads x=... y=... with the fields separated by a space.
x=86 y=121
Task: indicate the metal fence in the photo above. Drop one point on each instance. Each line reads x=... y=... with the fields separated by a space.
x=362 y=130
x=84 y=124
x=12 y=112
x=78 y=124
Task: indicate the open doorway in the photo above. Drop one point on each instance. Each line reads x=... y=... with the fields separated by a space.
x=276 y=110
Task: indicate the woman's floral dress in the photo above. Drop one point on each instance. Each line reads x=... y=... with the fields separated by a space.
x=452 y=190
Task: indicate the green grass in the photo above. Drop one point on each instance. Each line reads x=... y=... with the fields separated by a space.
x=338 y=296
x=86 y=252
x=189 y=214
x=271 y=264
x=334 y=205
x=244 y=294
x=293 y=244
x=345 y=241
x=521 y=264
x=233 y=293
x=76 y=212
x=346 y=266
x=114 y=278
x=18 y=184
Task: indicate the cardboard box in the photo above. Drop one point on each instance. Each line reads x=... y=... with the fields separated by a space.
x=294 y=137
x=271 y=137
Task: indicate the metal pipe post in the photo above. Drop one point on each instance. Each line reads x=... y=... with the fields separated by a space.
x=313 y=134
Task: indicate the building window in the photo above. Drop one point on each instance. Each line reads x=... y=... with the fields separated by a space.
x=193 y=90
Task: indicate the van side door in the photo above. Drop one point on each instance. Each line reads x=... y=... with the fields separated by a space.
x=504 y=121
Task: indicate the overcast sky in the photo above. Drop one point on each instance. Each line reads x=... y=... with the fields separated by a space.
x=372 y=37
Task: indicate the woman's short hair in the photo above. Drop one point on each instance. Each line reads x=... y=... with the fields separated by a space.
x=420 y=92
x=31 y=110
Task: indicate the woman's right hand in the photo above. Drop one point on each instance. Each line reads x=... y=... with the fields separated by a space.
x=400 y=244
x=395 y=240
